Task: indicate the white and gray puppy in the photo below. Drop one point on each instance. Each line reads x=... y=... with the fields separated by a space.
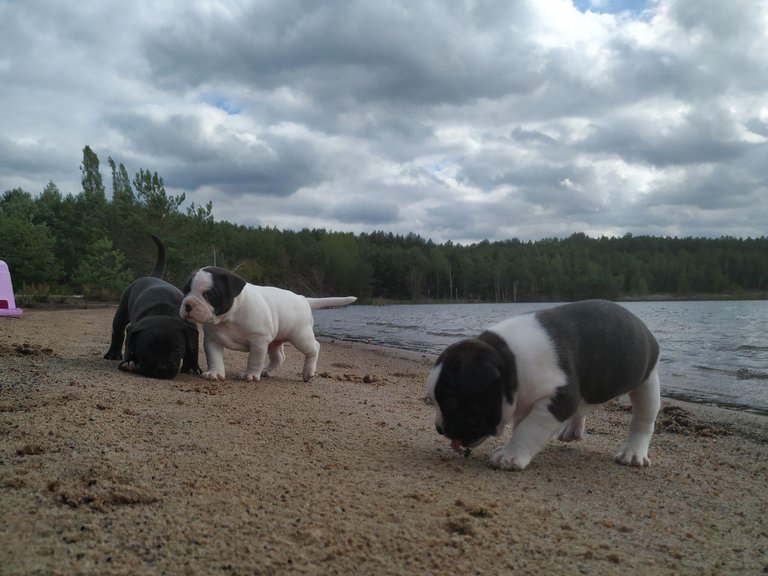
x=543 y=372
x=255 y=319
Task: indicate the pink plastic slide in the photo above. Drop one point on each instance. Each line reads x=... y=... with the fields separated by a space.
x=7 y=302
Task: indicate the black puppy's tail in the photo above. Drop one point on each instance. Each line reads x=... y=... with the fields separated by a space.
x=159 y=269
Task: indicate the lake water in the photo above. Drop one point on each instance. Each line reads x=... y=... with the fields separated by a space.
x=711 y=352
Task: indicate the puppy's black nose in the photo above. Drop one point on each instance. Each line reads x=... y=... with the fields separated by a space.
x=439 y=430
x=188 y=307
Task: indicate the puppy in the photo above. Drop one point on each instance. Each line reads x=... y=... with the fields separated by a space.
x=543 y=372
x=255 y=319
x=157 y=339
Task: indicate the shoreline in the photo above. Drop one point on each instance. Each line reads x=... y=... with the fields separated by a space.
x=105 y=472
x=741 y=374
x=671 y=396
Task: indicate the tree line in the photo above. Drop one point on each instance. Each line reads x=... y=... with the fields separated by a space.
x=94 y=245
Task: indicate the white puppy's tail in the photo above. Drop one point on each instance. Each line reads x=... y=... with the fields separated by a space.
x=316 y=303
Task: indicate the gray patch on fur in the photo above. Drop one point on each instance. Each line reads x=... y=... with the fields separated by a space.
x=602 y=347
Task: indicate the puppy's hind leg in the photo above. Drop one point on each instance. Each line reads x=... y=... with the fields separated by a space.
x=257 y=358
x=276 y=353
x=307 y=345
x=575 y=427
x=646 y=401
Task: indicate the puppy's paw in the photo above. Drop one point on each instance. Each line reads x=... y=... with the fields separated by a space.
x=190 y=369
x=111 y=355
x=628 y=457
x=570 y=432
x=505 y=459
x=307 y=375
x=128 y=366
x=250 y=376
x=214 y=375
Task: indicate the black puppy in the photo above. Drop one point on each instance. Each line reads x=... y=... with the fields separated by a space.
x=157 y=339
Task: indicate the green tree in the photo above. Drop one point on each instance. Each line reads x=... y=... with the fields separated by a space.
x=82 y=219
x=438 y=284
x=201 y=213
x=345 y=268
x=48 y=205
x=150 y=191
x=102 y=273
x=122 y=192
x=25 y=246
x=18 y=204
x=93 y=187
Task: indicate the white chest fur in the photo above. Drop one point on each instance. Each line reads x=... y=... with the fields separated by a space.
x=228 y=335
x=538 y=372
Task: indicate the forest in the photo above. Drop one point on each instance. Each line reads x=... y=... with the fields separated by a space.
x=93 y=245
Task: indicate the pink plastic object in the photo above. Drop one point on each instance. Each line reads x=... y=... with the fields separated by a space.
x=7 y=302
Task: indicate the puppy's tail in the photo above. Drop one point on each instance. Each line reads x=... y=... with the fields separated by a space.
x=316 y=303
x=159 y=269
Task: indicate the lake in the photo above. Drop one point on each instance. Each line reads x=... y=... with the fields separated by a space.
x=711 y=352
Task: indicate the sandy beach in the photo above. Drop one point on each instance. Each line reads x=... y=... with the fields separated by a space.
x=106 y=472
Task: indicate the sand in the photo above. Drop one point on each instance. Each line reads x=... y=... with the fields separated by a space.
x=105 y=472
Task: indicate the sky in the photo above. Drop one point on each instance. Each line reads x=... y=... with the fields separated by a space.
x=460 y=120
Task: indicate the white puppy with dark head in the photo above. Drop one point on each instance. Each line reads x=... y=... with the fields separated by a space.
x=255 y=319
x=542 y=373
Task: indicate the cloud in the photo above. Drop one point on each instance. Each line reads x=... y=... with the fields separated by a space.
x=456 y=121
x=363 y=211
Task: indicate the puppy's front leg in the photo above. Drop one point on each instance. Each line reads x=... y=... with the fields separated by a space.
x=119 y=323
x=257 y=359
x=529 y=437
x=214 y=356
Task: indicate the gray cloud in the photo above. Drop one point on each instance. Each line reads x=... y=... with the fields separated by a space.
x=355 y=52
x=458 y=121
x=361 y=211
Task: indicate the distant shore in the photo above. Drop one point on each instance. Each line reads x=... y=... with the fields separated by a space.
x=78 y=301
x=661 y=297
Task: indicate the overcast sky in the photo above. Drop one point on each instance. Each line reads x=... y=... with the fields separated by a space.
x=457 y=120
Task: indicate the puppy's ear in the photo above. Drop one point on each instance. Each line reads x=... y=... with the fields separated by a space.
x=478 y=376
x=474 y=365
x=232 y=284
x=136 y=327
